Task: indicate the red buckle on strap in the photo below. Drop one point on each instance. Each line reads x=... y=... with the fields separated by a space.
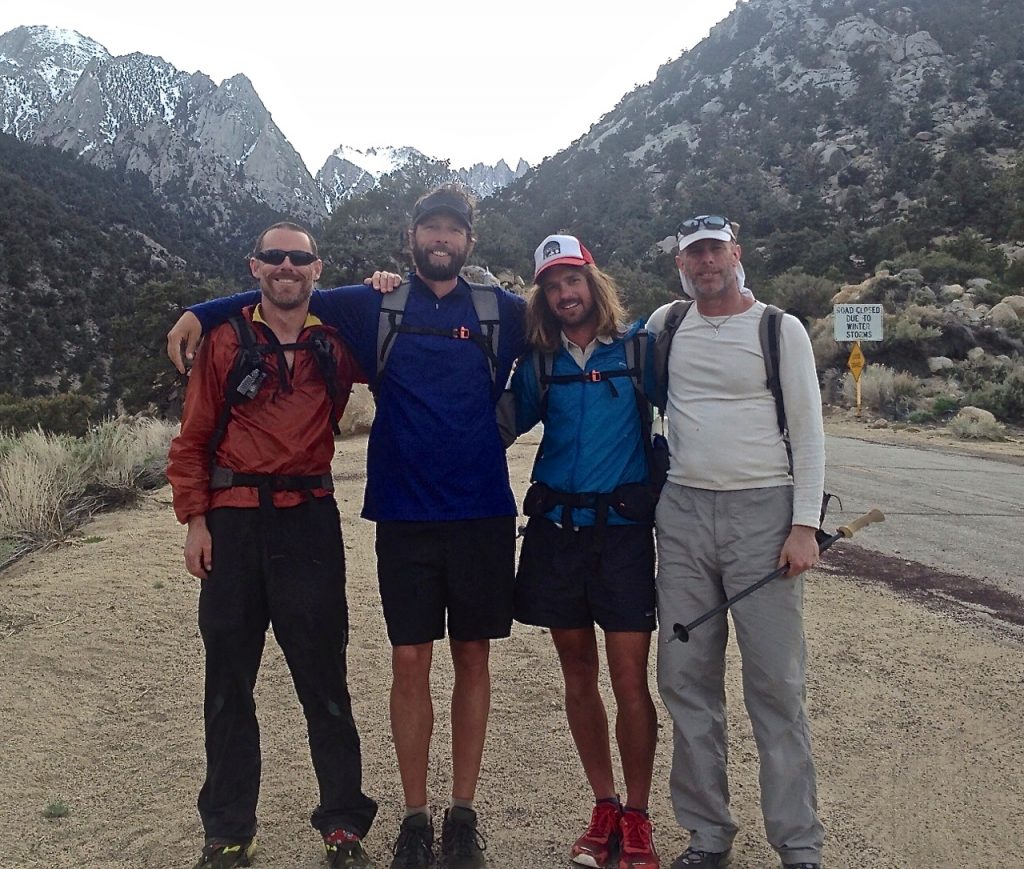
x=595 y=376
x=461 y=332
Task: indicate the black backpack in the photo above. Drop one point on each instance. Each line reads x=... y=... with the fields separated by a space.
x=244 y=382
x=769 y=332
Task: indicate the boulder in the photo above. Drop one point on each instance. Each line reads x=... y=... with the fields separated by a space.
x=949 y=292
x=976 y=414
x=1015 y=302
x=940 y=363
x=976 y=354
x=853 y=293
x=978 y=283
x=1003 y=315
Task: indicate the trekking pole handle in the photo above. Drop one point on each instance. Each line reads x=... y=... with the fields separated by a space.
x=873 y=515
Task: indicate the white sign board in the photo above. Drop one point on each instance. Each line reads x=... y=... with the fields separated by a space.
x=858 y=322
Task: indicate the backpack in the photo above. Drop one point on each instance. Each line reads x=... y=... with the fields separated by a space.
x=244 y=382
x=392 y=312
x=769 y=332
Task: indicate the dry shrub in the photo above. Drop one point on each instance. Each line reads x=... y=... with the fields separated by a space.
x=38 y=482
x=967 y=428
x=889 y=392
x=50 y=483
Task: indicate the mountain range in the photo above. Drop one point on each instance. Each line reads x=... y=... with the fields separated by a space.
x=847 y=137
x=215 y=146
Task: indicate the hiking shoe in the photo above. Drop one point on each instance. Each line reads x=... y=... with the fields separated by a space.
x=599 y=843
x=462 y=846
x=801 y=866
x=414 y=848
x=637 y=850
x=225 y=854
x=704 y=859
x=345 y=850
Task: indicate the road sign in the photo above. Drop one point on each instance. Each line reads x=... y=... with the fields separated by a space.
x=856 y=361
x=857 y=322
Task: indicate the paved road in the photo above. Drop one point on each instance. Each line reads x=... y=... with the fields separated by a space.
x=960 y=513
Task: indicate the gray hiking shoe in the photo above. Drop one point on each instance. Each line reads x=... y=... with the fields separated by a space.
x=703 y=859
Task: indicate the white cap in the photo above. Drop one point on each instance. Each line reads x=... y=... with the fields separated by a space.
x=560 y=250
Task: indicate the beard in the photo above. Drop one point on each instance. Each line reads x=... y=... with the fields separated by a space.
x=295 y=298
x=432 y=271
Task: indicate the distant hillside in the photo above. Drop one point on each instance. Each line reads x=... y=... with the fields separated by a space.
x=92 y=267
x=839 y=133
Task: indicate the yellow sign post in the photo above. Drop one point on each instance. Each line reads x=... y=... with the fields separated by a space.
x=856 y=364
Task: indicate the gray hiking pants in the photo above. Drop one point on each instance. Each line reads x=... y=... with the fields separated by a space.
x=711 y=545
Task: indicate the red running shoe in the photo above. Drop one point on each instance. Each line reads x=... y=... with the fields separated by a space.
x=637 y=842
x=599 y=844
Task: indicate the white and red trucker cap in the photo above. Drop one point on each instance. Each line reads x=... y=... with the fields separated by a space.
x=560 y=250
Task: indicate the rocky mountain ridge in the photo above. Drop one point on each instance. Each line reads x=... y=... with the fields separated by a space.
x=212 y=147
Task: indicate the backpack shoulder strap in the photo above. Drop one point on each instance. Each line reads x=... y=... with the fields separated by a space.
x=663 y=344
x=543 y=364
x=243 y=380
x=392 y=309
x=770 y=332
x=485 y=303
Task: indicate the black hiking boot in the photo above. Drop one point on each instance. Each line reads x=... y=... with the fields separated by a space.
x=703 y=859
x=345 y=850
x=414 y=848
x=462 y=846
x=225 y=854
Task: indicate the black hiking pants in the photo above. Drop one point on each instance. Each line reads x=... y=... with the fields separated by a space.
x=284 y=568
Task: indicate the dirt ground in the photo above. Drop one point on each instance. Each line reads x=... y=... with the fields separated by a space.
x=916 y=713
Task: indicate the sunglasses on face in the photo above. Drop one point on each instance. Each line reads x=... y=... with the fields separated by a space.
x=274 y=257
x=705 y=221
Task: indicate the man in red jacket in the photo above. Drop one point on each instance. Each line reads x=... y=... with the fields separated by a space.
x=251 y=476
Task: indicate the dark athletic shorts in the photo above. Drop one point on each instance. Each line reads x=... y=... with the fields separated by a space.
x=463 y=568
x=561 y=583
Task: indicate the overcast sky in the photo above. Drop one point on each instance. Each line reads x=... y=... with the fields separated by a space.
x=458 y=80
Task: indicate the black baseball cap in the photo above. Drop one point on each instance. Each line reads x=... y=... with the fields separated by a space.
x=443 y=200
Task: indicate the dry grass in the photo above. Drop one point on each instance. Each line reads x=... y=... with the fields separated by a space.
x=883 y=389
x=966 y=428
x=49 y=484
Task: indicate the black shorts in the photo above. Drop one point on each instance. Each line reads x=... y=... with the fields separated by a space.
x=561 y=583
x=464 y=568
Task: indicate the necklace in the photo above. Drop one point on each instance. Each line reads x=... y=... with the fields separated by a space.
x=716 y=326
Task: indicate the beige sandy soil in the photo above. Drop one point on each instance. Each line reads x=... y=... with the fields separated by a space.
x=916 y=717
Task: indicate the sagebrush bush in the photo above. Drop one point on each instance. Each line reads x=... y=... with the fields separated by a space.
x=50 y=483
x=889 y=392
x=966 y=428
x=1003 y=396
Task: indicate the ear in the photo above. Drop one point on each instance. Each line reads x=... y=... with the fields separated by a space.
x=254 y=265
x=318 y=267
x=679 y=260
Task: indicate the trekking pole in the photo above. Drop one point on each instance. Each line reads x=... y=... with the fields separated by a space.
x=682 y=632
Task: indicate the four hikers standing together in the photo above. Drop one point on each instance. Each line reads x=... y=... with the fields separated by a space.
x=251 y=477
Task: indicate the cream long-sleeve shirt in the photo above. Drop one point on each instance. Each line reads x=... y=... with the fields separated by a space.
x=722 y=429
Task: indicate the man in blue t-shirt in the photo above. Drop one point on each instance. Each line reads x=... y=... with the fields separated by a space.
x=437 y=486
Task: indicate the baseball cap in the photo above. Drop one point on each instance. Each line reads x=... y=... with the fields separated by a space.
x=443 y=200
x=560 y=250
x=704 y=226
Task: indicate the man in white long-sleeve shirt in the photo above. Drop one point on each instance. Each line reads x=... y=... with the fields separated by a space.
x=730 y=513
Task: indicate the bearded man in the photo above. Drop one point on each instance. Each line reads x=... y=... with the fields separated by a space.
x=437 y=486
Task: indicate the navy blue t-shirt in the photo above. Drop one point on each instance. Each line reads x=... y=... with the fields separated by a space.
x=434 y=450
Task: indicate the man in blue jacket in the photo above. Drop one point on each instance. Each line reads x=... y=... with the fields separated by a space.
x=437 y=486
x=588 y=549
